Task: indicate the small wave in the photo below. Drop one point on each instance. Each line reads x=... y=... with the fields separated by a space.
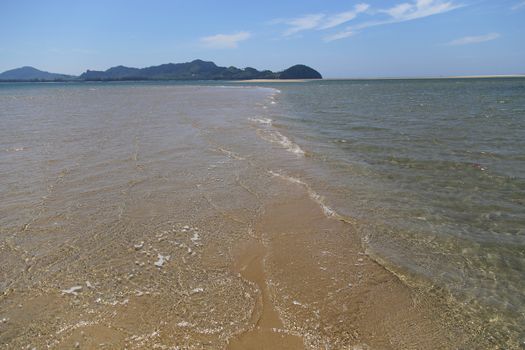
x=231 y=154
x=275 y=136
x=329 y=212
x=231 y=87
x=15 y=149
x=265 y=121
x=265 y=88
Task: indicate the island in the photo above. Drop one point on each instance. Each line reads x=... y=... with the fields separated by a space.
x=194 y=70
x=32 y=74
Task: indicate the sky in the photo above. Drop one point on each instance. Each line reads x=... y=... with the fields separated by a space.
x=341 y=39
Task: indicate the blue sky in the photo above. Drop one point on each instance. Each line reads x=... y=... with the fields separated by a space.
x=375 y=38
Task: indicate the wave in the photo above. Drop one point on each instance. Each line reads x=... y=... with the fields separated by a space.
x=15 y=149
x=230 y=86
x=275 y=136
x=265 y=121
x=329 y=212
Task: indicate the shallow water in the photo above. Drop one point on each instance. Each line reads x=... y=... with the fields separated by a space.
x=433 y=170
x=142 y=193
x=119 y=190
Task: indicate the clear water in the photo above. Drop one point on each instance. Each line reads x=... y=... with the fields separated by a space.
x=433 y=172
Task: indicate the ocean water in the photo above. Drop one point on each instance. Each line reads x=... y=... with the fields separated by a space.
x=138 y=193
x=433 y=173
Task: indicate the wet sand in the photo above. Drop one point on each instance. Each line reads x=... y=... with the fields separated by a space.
x=319 y=286
x=267 y=328
x=163 y=225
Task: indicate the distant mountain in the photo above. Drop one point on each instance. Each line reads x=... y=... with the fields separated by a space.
x=197 y=70
x=300 y=71
x=32 y=74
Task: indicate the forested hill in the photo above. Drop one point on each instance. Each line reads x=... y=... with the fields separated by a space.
x=198 y=70
x=194 y=70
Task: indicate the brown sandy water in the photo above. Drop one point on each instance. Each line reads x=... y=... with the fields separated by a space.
x=159 y=217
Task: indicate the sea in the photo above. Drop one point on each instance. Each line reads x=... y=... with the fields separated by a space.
x=428 y=173
x=433 y=171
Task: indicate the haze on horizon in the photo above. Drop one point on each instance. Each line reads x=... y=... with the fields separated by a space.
x=376 y=38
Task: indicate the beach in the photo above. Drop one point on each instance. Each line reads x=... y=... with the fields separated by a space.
x=175 y=216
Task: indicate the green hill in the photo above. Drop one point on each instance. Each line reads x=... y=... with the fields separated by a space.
x=300 y=71
x=197 y=70
x=32 y=74
x=194 y=70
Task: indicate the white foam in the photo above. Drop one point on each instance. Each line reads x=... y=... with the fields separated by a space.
x=329 y=212
x=265 y=121
x=15 y=149
x=232 y=87
x=80 y=324
x=73 y=290
x=195 y=238
x=297 y=303
x=275 y=136
x=184 y=324
x=162 y=259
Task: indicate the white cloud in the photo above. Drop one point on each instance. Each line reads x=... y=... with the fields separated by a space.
x=225 y=41
x=399 y=10
x=401 y=13
x=303 y=23
x=474 y=39
x=321 y=21
x=518 y=6
x=419 y=9
x=343 y=17
x=340 y=35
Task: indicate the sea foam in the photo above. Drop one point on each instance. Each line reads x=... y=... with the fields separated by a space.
x=329 y=212
x=265 y=121
x=276 y=137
